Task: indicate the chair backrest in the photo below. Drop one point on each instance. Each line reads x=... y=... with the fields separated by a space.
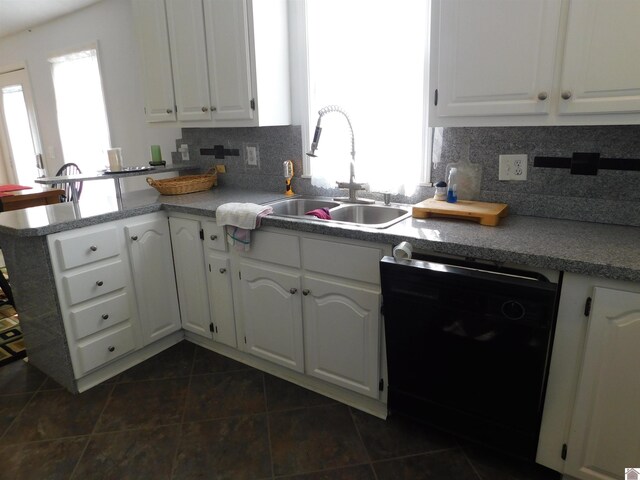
x=69 y=169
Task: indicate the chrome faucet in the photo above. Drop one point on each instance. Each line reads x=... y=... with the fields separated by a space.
x=352 y=185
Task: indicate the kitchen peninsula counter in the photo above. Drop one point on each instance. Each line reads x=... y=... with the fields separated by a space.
x=600 y=250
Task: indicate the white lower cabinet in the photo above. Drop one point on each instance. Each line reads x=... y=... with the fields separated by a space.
x=221 y=298
x=342 y=334
x=116 y=294
x=590 y=427
x=272 y=313
x=605 y=429
x=188 y=258
x=312 y=305
x=149 y=245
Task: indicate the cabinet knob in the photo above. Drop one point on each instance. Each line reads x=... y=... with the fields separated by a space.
x=293 y=291
x=213 y=237
x=99 y=283
x=134 y=237
x=213 y=109
x=169 y=110
x=566 y=95
x=223 y=270
x=306 y=292
x=93 y=248
x=105 y=316
x=205 y=109
x=111 y=348
x=542 y=96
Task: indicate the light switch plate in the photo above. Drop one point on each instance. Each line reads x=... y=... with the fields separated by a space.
x=512 y=167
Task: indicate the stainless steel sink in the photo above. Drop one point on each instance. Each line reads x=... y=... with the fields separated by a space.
x=372 y=216
x=377 y=216
x=299 y=206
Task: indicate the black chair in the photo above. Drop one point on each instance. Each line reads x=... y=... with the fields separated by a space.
x=69 y=187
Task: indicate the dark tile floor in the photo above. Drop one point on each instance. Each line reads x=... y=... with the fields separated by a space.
x=189 y=413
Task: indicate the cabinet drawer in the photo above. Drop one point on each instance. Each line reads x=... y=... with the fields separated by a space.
x=342 y=260
x=274 y=247
x=99 y=316
x=93 y=283
x=106 y=348
x=214 y=236
x=87 y=248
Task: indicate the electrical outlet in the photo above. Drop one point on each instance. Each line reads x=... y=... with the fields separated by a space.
x=512 y=167
x=184 y=150
x=251 y=155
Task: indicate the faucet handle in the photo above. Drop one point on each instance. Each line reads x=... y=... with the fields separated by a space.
x=353 y=186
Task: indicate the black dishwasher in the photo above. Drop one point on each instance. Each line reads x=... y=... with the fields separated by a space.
x=468 y=348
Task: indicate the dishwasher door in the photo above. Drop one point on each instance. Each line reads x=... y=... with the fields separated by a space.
x=468 y=349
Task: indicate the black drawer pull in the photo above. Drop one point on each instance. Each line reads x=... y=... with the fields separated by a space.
x=105 y=316
x=99 y=283
x=111 y=348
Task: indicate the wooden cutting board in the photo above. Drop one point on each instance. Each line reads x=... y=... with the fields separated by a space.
x=484 y=212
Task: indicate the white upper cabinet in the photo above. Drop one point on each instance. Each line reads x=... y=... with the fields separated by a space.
x=494 y=57
x=153 y=38
x=534 y=62
x=228 y=58
x=189 y=59
x=221 y=62
x=601 y=68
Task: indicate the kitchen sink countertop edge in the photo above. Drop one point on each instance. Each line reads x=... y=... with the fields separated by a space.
x=594 y=249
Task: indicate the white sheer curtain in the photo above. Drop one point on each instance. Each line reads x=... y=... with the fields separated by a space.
x=368 y=58
x=82 y=117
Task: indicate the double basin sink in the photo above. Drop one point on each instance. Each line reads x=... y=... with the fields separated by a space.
x=365 y=215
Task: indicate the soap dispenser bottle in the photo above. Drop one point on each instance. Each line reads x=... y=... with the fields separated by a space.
x=288 y=175
x=452 y=187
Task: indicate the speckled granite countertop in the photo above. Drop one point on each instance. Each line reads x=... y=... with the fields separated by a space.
x=587 y=248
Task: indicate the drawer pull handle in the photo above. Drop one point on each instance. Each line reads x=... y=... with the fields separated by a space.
x=111 y=348
x=105 y=316
x=306 y=292
x=223 y=270
x=93 y=248
x=293 y=291
x=213 y=237
x=99 y=283
x=134 y=237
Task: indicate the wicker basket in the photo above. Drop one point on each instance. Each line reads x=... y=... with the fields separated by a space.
x=185 y=184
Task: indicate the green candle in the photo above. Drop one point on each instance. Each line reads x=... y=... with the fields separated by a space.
x=156 y=154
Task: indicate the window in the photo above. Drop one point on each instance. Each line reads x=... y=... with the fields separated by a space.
x=20 y=134
x=369 y=58
x=82 y=117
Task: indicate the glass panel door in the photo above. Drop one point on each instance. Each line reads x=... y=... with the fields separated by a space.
x=18 y=132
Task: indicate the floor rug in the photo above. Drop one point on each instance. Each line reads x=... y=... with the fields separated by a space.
x=11 y=341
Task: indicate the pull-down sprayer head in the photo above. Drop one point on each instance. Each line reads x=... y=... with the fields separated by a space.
x=318 y=131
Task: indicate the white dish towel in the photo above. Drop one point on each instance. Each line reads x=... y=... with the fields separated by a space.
x=239 y=219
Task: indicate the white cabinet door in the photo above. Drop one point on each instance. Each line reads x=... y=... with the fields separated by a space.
x=228 y=59
x=493 y=57
x=601 y=71
x=605 y=427
x=188 y=260
x=342 y=332
x=272 y=314
x=221 y=298
x=150 y=19
x=189 y=59
x=149 y=246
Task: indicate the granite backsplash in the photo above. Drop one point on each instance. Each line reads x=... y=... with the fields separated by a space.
x=611 y=196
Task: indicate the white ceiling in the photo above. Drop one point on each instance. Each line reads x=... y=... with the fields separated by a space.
x=19 y=15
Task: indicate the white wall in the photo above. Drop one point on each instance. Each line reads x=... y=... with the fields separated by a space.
x=110 y=23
